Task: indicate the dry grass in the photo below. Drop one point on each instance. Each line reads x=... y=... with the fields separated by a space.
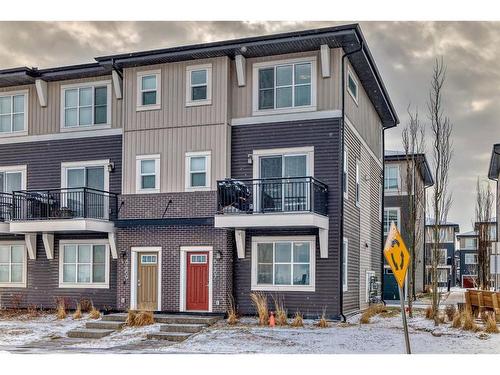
x=78 y=312
x=61 y=310
x=298 y=320
x=140 y=318
x=94 y=313
x=372 y=311
x=457 y=320
x=281 y=317
x=468 y=322
x=450 y=311
x=491 y=324
x=86 y=305
x=232 y=315
x=323 y=323
x=259 y=300
x=429 y=312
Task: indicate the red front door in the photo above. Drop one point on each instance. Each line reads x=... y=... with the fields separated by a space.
x=197 y=281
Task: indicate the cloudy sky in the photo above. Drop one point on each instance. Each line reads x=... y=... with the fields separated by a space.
x=404 y=53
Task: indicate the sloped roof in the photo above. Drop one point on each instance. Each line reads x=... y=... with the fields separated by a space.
x=423 y=165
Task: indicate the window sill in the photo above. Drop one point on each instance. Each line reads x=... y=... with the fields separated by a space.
x=152 y=107
x=85 y=128
x=147 y=191
x=284 y=288
x=12 y=285
x=198 y=188
x=199 y=103
x=83 y=286
x=281 y=111
x=13 y=134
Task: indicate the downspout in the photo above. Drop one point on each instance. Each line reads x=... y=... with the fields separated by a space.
x=341 y=170
x=382 y=221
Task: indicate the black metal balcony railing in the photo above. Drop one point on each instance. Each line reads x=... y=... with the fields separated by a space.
x=5 y=206
x=292 y=194
x=69 y=203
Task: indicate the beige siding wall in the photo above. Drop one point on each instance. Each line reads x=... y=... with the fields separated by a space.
x=47 y=120
x=174 y=112
x=327 y=92
x=172 y=145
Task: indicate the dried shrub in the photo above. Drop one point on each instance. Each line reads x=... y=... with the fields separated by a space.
x=61 y=310
x=280 y=312
x=450 y=311
x=373 y=310
x=78 y=312
x=457 y=320
x=140 y=318
x=491 y=324
x=259 y=300
x=323 y=323
x=469 y=324
x=94 y=313
x=366 y=316
x=429 y=312
x=17 y=301
x=34 y=311
x=86 y=305
x=232 y=316
x=298 y=320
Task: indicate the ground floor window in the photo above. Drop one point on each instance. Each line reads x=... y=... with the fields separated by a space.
x=12 y=265
x=84 y=265
x=284 y=263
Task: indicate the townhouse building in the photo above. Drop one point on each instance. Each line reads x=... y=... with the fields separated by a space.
x=467 y=243
x=397 y=190
x=196 y=173
x=447 y=271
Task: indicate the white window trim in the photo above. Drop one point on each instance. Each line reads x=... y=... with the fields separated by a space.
x=17 y=168
x=345 y=169
x=474 y=256
x=92 y=126
x=184 y=250
x=22 y=284
x=392 y=190
x=292 y=288
x=139 y=105
x=268 y=64
x=104 y=285
x=308 y=151
x=134 y=251
x=345 y=265
x=83 y=164
x=208 y=174
x=26 y=113
x=139 y=159
x=189 y=101
x=353 y=77
x=357 y=192
x=398 y=209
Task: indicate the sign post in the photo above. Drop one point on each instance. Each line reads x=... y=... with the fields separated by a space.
x=398 y=258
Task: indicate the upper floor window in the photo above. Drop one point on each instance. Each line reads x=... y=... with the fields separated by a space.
x=470 y=258
x=352 y=85
x=199 y=85
x=285 y=86
x=149 y=90
x=13 y=116
x=86 y=105
x=358 y=183
x=470 y=243
x=148 y=174
x=391 y=177
x=390 y=215
x=12 y=179
x=198 y=170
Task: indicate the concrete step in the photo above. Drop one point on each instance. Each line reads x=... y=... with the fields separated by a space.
x=185 y=319
x=169 y=336
x=105 y=324
x=118 y=317
x=182 y=328
x=86 y=333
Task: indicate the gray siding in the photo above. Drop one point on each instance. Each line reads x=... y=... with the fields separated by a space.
x=324 y=136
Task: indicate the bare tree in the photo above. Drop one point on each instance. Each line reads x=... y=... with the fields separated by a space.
x=413 y=146
x=441 y=128
x=483 y=212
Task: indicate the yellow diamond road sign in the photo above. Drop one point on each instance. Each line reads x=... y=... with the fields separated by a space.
x=397 y=255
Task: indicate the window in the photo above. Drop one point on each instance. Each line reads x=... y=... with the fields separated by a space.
x=285 y=86
x=12 y=179
x=391 y=177
x=470 y=258
x=83 y=265
x=346 y=172
x=198 y=259
x=345 y=250
x=198 y=170
x=358 y=183
x=283 y=263
x=390 y=215
x=149 y=259
x=199 y=85
x=148 y=90
x=12 y=265
x=148 y=174
x=86 y=105
x=470 y=243
x=13 y=116
x=352 y=85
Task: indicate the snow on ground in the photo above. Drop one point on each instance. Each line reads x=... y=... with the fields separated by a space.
x=382 y=335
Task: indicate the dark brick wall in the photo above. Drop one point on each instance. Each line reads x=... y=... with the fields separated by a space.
x=170 y=239
x=152 y=206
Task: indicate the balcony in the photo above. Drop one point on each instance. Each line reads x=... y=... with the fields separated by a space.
x=271 y=203
x=5 y=212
